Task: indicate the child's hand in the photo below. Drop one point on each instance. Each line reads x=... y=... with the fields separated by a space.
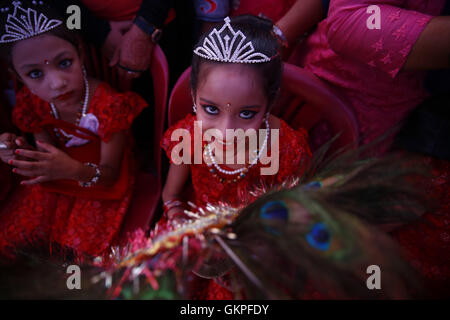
x=52 y=164
x=22 y=143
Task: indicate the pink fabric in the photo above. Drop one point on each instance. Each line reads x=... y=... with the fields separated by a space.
x=365 y=65
x=274 y=10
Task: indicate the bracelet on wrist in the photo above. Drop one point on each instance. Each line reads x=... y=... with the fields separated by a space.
x=171 y=204
x=176 y=215
x=94 y=179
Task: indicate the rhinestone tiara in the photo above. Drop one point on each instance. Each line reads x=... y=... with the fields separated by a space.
x=26 y=23
x=227 y=45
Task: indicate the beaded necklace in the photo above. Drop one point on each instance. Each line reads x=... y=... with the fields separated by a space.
x=214 y=167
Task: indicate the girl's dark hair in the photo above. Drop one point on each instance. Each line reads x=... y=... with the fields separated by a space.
x=61 y=31
x=259 y=32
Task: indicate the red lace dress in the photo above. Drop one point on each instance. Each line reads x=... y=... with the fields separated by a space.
x=294 y=156
x=61 y=212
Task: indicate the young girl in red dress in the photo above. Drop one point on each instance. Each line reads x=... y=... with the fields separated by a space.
x=78 y=179
x=232 y=88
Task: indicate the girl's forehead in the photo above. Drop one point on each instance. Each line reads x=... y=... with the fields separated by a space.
x=226 y=69
x=37 y=49
x=228 y=76
x=224 y=87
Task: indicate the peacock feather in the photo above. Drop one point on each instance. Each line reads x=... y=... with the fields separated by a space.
x=314 y=236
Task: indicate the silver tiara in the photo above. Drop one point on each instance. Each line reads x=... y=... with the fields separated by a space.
x=227 y=45
x=26 y=23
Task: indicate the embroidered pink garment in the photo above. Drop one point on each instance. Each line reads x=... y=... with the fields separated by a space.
x=365 y=65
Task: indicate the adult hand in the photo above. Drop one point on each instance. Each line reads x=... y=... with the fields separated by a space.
x=134 y=54
x=115 y=37
x=50 y=164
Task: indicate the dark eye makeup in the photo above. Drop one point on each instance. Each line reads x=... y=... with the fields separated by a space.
x=66 y=63
x=244 y=114
x=63 y=64
x=35 y=74
x=212 y=110
x=247 y=114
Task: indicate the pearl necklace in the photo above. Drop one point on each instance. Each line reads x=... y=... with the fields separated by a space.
x=241 y=171
x=83 y=110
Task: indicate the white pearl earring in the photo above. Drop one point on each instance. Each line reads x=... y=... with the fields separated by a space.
x=194 y=108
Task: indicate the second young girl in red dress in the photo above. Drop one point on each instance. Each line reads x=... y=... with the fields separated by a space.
x=232 y=90
x=78 y=179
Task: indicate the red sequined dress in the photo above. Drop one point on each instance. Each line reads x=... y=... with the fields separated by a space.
x=61 y=212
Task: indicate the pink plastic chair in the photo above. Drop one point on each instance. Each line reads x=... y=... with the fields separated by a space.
x=148 y=187
x=309 y=103
x=98 y=66
x=147 y=191
x=180 y=101
x=305 y=101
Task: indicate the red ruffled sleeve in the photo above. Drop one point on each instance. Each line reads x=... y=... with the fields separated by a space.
x=167 y=144
x=115 y=111
x=29 y=111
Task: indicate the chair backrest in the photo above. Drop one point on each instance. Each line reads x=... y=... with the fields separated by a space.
x=146 y=195
x=305 y=101
x=160 y=75
x=143 y=206
x=97 y=66
x=180 y=101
